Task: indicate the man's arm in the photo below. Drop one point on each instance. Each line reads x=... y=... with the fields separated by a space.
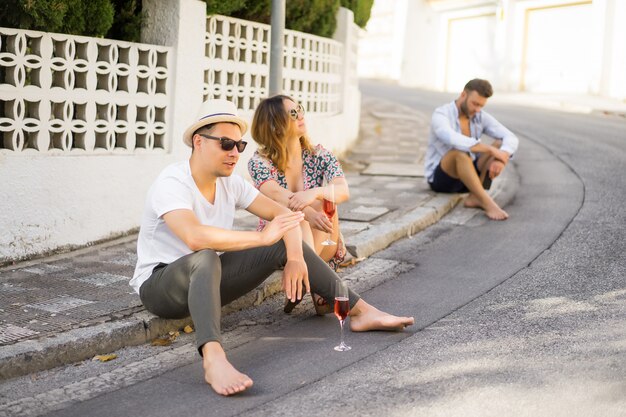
x=441 y=126
x=495 y=129
x=186 y=226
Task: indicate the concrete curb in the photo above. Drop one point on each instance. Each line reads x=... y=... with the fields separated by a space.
x=378 y=237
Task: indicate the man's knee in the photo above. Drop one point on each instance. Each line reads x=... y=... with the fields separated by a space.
x=205 y=263
x=461 y=157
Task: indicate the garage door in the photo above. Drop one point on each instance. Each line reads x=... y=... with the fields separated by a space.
x=557 y=50
x=470 y=51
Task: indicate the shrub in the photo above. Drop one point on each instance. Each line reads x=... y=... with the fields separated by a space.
x=126 y=21
x=77 y=17
x=362 y=10
x=311 y=16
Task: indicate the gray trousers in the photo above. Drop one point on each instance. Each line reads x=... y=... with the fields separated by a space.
x=200 y=283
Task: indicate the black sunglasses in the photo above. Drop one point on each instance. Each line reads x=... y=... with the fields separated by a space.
x=227 y=143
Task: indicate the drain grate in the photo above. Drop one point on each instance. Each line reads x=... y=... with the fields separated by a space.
x=127 y=259
x=103 y=279
x=57 y=305
x=43 y=269
x=10 y=333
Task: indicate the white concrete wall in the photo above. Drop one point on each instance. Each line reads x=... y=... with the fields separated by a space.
x=65 y=200
x=566 y=46
x=381 y=44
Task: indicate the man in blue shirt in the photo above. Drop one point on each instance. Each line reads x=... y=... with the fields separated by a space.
x=456 y=160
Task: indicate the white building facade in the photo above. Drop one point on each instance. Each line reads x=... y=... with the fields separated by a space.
x=538 y=46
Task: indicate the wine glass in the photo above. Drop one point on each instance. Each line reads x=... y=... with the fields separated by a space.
x=342 y=308
x=329 y=207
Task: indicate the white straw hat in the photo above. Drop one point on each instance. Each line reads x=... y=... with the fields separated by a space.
x=215 y=111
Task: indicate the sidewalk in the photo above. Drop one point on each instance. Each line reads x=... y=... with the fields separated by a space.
x=71 y=307
x=570 y=103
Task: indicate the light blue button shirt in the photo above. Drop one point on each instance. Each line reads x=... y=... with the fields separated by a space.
x=445 y=135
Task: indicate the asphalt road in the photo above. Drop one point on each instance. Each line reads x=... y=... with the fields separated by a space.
x=523 y=317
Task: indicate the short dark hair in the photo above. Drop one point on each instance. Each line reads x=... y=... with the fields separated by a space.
x=482 y=87
x=206 y=129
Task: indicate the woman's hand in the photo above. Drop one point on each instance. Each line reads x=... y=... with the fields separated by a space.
x=300 y=199
x=318 y=220
x=280 y=225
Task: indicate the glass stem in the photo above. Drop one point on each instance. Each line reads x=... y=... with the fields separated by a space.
x=341 y=323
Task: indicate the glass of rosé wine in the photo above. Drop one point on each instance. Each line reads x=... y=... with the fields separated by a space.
x=329 y=207
x=342 y=308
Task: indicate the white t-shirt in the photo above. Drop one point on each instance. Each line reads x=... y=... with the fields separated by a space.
x=175 y=189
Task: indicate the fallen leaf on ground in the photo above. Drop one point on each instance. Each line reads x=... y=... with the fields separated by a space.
x=188 y=329
x=162 y=342
x=167 y=340
x=351 y=262
x=105 y=358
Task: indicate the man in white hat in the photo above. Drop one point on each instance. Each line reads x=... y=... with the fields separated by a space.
x=190 y=262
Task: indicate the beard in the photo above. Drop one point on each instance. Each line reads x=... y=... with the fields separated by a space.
x=464 y=109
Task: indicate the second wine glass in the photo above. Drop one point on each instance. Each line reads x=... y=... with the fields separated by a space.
x=329 y=207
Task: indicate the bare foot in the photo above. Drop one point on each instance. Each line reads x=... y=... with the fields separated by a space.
x=492 y=210
x=220 y=374
x=364 y=317
x=496 y=213
x=472 y=202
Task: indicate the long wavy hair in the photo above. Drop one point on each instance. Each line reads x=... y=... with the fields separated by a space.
x=269 y=129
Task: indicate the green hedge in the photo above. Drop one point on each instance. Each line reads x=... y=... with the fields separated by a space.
x=76 y=17
x=311 y=16
x=121 y=19
x=362 y=10
x=117 y=19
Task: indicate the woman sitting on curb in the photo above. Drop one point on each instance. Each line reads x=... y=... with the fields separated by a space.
x=289 y=170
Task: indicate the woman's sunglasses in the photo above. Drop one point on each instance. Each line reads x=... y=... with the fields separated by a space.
x=298 y=111
x=227 y=143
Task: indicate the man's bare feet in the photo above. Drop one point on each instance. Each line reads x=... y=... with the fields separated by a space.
x=472 y=202
x=496 y=213
x=365 y=317
x=492 y=210
x=219 y=373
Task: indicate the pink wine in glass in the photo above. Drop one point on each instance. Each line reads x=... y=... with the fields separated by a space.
x=329 y=208
x=342 y=307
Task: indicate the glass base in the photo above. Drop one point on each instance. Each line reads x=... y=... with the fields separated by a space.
x=342 y=347
x=328 y=242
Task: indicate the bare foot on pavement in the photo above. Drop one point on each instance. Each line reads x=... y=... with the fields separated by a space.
x=220 y=374
x=364 y=317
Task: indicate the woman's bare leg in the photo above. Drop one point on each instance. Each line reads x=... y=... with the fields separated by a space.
x=365 y=317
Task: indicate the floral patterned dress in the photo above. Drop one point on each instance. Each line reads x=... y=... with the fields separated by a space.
x=316 y=166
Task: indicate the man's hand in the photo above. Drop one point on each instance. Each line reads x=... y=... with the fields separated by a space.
x=495 y=169
x=280 y=225
x=318 y=220
x=501 y=156
x=295 y=276
x=300 y=199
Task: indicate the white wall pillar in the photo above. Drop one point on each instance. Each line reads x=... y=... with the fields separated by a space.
x=613 y=78
x=347 y=33
x=182 y=25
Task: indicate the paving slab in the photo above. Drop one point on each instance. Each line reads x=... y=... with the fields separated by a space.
x=395 y=169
